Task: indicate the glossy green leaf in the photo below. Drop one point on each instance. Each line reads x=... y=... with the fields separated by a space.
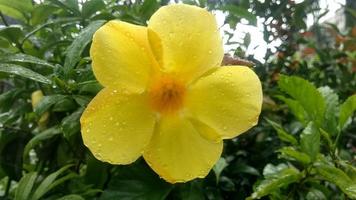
x=46 y=102
x=45 y=185
x=306 y=94
x=338 y=177
x=12 y=33
x=315 y=194
x=24 y=188
x=296 y=108
x=282 y=134
x=219 y=167
x=346 y=110
x=331 y=110
x=310 y=140
x=23 y=72
x=280 y=179
x=70 y=124
x=292 y=154
x=24 y=58
x=192 y=190
x=80 y=42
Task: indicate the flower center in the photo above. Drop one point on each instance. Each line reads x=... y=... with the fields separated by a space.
x=167 y=95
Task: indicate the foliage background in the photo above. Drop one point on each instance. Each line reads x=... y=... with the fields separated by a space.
x=302 y=148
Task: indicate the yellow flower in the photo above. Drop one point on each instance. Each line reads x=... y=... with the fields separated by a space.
x=166 y=96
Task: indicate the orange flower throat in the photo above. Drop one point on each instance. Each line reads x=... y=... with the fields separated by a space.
x=167 y=95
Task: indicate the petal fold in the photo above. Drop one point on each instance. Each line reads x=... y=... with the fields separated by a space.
x=226 y=102
x=178 y=153
x=117 y=126
x=189 y=39
x=121 y=56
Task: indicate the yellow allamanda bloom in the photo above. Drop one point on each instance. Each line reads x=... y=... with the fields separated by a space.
x=165 y=95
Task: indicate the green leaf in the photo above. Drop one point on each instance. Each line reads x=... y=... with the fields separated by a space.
x=282 y=134
x=69 y=5
x=292 y=154
x=280 y=179
x=315 y=194
x=70 y=124
x=219 y=167
x=338 y=177
x=42 y=12
x=91 y=7
x=80 y=42
x=296 y=108
x=346 y=111
x=310 y=140
x=16 y=9
x=71 y=197
x=24 y=72
x=25 y=186
x=136 y=181
x=46 y=102
x=12 y=33
x=24 y=58
x=241 y=13
x=45 y=185
x=306 y=94
x=331 y=110
x=44 y=135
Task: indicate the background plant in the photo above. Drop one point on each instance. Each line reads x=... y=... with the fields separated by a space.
x=302 y=148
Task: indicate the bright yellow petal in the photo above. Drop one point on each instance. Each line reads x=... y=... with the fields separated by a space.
x=189 y=38
x=117 y=126
x=178 y=153
x=121 y=55
x=226 y=102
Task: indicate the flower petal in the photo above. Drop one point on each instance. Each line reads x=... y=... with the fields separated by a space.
x=226 y=102
x=117 y=126
x=190 y=40
x=121 y=55
x=178 y=153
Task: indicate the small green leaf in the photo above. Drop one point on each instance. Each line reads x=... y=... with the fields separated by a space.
x=71 y=197
x=24 y=58
x=91 y=7
x=219 y=167
x=332 y=108
x=70 y=124
x=306 y=94
x=45 y=185
x=280 y=179
x=292 y=154
x=241 y=13
x=346 y=111
x=310 y=140
x=47 y=102
x=296 y=108
x=80 y=42
x=338 y=177
x=315 y=194
x=25 y=186
x=44 y=135
x=24 y=72
x=282 y=134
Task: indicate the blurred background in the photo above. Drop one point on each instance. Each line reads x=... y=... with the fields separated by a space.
x=303 y=147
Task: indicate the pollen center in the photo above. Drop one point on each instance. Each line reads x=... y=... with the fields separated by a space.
x=167 y=95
